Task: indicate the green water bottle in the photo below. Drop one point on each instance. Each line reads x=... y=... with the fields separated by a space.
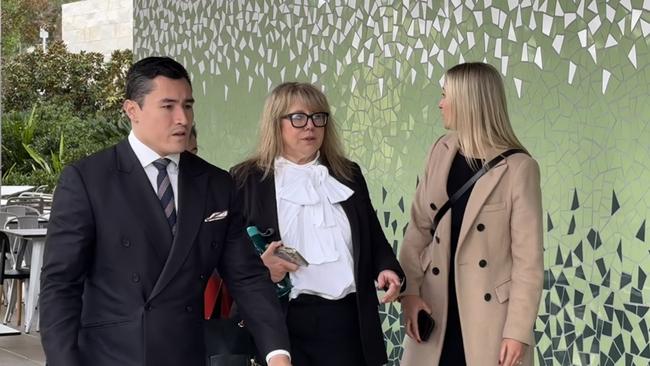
x=284 y=286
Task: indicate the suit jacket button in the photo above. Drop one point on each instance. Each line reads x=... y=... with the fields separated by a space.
x=435 y=271
x=480 y=227
x=487 y=297
x=188 y=309
x=147 y=307
x=213 y=245
x=482 y=263
x=201 y=277
x=433 y=206
x=126 y=243
x=135 y=277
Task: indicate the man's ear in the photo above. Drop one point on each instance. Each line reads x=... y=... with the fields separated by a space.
x=131 y=108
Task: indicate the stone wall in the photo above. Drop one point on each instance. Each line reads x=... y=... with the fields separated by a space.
x=98 y=25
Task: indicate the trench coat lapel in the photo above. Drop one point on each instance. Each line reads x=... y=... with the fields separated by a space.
x=482 y=189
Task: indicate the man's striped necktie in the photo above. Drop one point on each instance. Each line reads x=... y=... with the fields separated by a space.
x=165 y=193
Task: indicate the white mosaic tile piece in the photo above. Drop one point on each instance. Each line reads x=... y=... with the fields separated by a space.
x=538 y=58
x=511 y=33
x=572 y=72
x=557 y=43
x=636 y=15
x=547 y=23
x=632 y=56
x=518 y=86
x=611 y=42
x=645 y=28
x=592 y=52
x=582 y=37
x=569 y=18
x=606 y=76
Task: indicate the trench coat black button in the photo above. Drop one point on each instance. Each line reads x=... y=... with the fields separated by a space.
x=480 y=227
x=482 y=263
x=487 y=297
x=433 y=206
x=435 y=271
x=437 y=239
x=135 y=277
x=188 y=309
x=213 y=245
x=147 y=307
x=126 y=243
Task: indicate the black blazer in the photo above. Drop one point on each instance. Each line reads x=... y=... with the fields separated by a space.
x=111 y=296
x=371 y=251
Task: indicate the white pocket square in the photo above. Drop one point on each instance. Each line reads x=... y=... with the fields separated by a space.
x=216 y=216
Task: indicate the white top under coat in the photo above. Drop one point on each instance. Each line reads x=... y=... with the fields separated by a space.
x=311 y=220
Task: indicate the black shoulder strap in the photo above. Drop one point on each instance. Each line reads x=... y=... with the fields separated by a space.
x=459 y=193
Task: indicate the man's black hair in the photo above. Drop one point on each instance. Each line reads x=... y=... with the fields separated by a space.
x=140 y=75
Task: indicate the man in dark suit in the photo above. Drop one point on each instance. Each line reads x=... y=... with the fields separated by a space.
x=134 y=234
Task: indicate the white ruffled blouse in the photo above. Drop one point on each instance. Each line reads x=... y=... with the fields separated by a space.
x=311 y=220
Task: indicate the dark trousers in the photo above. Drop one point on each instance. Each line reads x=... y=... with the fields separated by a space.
x=324 y=332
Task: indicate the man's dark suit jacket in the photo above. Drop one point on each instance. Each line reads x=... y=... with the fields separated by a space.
x=371 y=251
x=111 y=296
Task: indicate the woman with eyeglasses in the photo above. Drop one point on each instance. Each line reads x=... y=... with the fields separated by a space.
x=301 y=192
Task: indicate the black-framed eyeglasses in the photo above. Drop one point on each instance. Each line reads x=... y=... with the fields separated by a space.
x=299 y=120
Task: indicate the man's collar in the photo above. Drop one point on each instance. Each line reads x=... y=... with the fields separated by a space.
x=145 y=154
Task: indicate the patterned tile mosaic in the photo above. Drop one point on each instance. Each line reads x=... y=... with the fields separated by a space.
x=578 y=81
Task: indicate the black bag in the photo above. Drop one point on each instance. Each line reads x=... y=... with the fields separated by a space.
x=228 y=343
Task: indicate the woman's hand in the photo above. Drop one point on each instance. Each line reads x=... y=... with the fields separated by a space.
x=389 y=281
x=276 y=265
x=411 y=305
x=511 y=352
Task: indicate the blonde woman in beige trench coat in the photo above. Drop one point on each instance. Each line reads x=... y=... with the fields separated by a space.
x=498 y=264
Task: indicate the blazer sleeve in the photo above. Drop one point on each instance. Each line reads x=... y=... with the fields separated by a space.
x=527 y=253
x=250 y=285
x=417 y=235
x=383 y=257
x=67 y=257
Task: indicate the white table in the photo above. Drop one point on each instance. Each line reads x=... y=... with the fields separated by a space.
x=8 y=191
x=8 y=331
x=37 y=239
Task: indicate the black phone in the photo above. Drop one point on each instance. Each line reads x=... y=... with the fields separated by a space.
x=425 y=325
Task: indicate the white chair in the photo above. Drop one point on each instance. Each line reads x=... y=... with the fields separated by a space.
x=19 y=256
x=37 y=203
x=19 y=210
x=5 y=217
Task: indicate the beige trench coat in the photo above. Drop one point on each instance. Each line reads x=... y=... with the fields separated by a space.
x=498 y=264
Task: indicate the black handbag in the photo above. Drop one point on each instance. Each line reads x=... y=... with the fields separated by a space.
x=228 y=343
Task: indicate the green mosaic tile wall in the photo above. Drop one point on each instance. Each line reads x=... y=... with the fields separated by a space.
x=578 y=78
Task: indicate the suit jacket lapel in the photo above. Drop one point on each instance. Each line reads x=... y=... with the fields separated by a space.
x=267 y=204
x=192 y=190
x=143 y=201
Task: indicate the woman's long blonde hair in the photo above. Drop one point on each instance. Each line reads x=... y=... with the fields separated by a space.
x=479 y=109
x=270 y=144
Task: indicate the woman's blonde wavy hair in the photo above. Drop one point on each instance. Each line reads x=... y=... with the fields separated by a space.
x=270 y=144
x=479 y=109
